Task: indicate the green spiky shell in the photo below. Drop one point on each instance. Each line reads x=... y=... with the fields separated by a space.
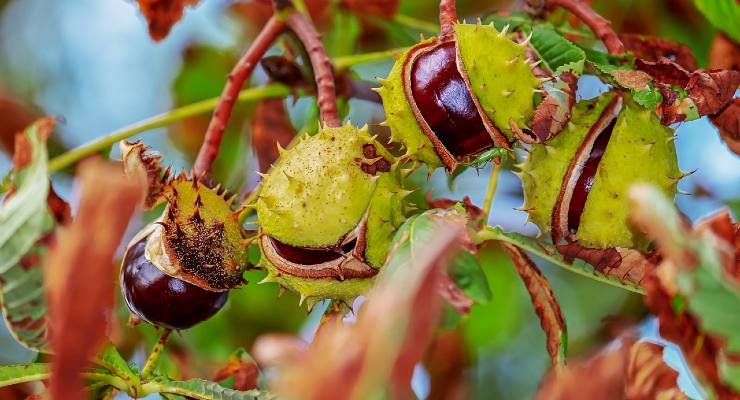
x=202 y=238
x=317 y=192
x=401 y=120
x=499 y=75
x=640 y=150
x=385 y=215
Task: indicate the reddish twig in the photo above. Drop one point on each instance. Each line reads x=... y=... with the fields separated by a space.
x=598 y=24
x=326 y=95
x=242 y=70
x=447 y=19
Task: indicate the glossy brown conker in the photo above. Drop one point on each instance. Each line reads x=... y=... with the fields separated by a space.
x=163 y=300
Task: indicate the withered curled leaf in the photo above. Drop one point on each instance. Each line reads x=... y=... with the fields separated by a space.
x=624 y=369
x=728 y=123
x=80 y=274
x=707 y=91
x=655 y=49
x=545 y=304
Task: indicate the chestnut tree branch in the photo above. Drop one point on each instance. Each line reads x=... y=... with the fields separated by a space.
x=326 y=95
x=447 y=19
x=598 y=24
x=242 y=70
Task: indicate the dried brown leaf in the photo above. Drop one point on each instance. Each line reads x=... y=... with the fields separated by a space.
x=80 y=274
x=725 y=53
x=654 y=49
x=244 y=370
x=271 y=128
x=600 y=377
x=648 y=376
x=552 y=114
x=161 y=15
x=728 y=123
x=707 y=91
x=625 y=264
x=15 y=117
x=283 y=70
x=474 y=212
x=380 y=350
x=631 y=79
x=545 y=304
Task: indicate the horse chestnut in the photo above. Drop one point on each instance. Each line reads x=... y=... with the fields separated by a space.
x=163 y=300
x=327 y=212
x=575 y=186
x=448 y=100
x=177 y=271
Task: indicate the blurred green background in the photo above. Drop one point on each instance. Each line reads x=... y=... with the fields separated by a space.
x=92 y=63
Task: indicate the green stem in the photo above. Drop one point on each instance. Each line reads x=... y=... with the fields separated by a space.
x=491 y=191
x=66 y=159
x=413 y=23
x=344 y=62
x=154 y=355
x=109 y=380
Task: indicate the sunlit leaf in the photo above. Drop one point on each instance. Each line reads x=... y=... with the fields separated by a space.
x=723 y=14
x=25 y=218
x=557 y=53
x=549 y=253
x=14 y=374
x=206 y=390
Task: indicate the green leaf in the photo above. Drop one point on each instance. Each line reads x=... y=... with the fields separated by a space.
x=557 y=53
x=648 y=98
x=468 y=275
x=205 y=390
x=13 y=374
x=342 y=38
x=549 y=253
x=723 y=14
x=110 y=359
x=25 y=218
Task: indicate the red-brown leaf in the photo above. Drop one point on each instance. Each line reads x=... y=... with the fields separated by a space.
x=648 y=376
x=161 y=15
x=654 y=49
x=447 y=361
x=728 y=123
x=725 y=53
x=624 y=264
x=244 y=370
x=80 y=274
x=545 y=304
x=271 y=127
x=551 y=115
x=709 y=90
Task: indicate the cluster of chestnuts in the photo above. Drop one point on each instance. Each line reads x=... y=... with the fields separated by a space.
x=329 y=207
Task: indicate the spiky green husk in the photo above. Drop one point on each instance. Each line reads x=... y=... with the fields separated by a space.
x=317 y=192
x=499 y=75
x=385 y=215
x=401 y=121
x=543 y=171
x=640 y=150
x=201 y=236
x=315 y=290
